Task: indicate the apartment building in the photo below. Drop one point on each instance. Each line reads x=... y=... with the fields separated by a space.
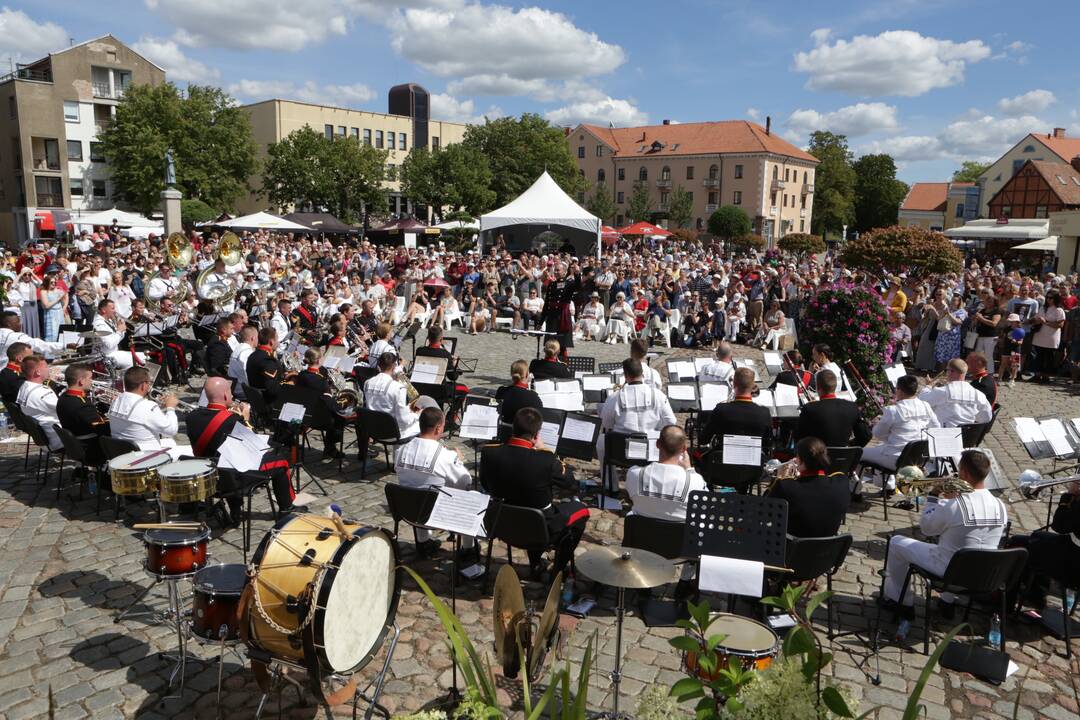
x=53 y=110
x=939 y=205
x=732 y=162
x=405 y=126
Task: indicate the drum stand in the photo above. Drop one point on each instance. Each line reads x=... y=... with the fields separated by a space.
x=182 y=656
x=616 y=672
x=223 y=644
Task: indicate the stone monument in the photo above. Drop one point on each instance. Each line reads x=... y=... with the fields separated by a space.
x=170 y=197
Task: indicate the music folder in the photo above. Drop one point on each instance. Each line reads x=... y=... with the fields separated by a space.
x=1045 y=437
x=683 y=396
x=681 y=371
x=578 y=436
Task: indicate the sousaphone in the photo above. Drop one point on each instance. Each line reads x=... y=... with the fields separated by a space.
x=220 y=291
x=178 y=252
x=516 y=627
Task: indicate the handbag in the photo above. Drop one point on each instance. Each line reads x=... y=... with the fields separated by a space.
x=971 y=337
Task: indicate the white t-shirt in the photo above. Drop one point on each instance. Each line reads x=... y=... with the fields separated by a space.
x=1046 y=336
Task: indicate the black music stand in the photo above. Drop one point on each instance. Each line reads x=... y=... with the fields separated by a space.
x=538 y=334
x=579 y=449
x=317 y=416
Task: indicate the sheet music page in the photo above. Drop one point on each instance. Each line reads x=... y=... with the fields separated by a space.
x=895 y=372
x=773 y=363
x=459 y=511
x=480 y=422
x=700 y=363
x=683 y=368
x=1028 y=430
x=346 y=364
x=712 y=394
x=764 y=398
x=945 y=442
x=653 y=450
x=637 y=450
x=248 y=436
x=1055 y=433
x=742 y=450
x=681 y=392
x=239 y=455
x=578 y=374
x=596 y=382
x=331 y=361
x=291 y=412
x=549 y=433
x=785 y=395
x=69 y=337
x=544 y=386
x=578 y=430
x=728 y=575
x=425 y=373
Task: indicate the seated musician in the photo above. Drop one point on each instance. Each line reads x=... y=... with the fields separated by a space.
x=313 y=378
x=37 y=400
x=721 y=369
x=79 y=416
x=956 y=402
x=518 y=394
x=550 y=367
x=833 y=420
x=434 y=348
x=385 y=394
x=633 y=408
x=218 y=350
x=1052 y=555
x=523 y=472
x=639 y=350
x=207 y=428
x=163 y=284
x=981 y=379
x=111 y=330
x=248 y=339
x=238 y=319
x=382 y=344
x=263 y=369
x=969 y=520
x=661 y=490
x=794 y=374
x=11 y=331
x=177 y=347
x=817 y=501
x=900 y=423
x=282 y=320
x=425 y=462
x=741 y=416
x=306 y=315
x=11 y=378
x=336 y=335
x=134 y=416
x=822 y=357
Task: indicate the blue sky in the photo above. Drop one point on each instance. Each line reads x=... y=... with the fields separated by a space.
x=932 y=82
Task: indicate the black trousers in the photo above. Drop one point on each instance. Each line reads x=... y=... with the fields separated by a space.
x=566 y=523
x=1051 y=556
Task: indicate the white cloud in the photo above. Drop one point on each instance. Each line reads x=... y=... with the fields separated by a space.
x=753 y=113
x=906 y=148
x=853 y=120
x=598 y=112
x=22 y=38
x=312 y=92
x=1030 y=102
x=447 y=107
x=502 y=84
x=178 y=65
x=987 y=137
x=896 y=62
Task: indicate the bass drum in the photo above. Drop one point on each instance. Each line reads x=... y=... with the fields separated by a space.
x=319 y=599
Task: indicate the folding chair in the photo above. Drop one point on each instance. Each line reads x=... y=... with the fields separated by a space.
x=410 y=505
x=382 y=428
x=517 y=527
x=916 y=452
x=810 y=558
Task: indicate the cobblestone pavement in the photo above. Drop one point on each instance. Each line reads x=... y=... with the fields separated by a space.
x=65 y=570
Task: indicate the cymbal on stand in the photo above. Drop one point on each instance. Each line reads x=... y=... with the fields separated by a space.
x=628 y=568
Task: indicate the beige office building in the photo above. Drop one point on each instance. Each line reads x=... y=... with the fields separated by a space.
x=406 y=126
x=53 y=110
x=732 y=162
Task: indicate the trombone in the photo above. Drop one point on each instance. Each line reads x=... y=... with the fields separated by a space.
x=1032 y=483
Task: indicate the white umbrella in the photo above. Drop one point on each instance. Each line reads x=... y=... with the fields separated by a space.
x=123 y=218
x=263 y=221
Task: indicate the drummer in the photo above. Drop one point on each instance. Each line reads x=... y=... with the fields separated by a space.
x=135 y=417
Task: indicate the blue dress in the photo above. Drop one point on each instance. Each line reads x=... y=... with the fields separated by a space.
x=947 y=346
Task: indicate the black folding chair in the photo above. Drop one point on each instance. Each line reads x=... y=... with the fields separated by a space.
x=37 y=434
x=75 y=451
x=380 y=427
x=262 y=415
x=916 y=452
x=615 y=448
x=810 y=558
x=18 y=420
x=410 y=505
x=665 y=538
x=517 y=527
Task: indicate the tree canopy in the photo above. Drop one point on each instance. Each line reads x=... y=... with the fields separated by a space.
x=209 y=135
x=912 y=249
x=454 y=179
x=970 y=171
x=196 y=211
x=680 y=207
x=801 y=244
x=729 y=223
x=600 y=204
x=834 y=183
x=878 y=193
x=640 y=207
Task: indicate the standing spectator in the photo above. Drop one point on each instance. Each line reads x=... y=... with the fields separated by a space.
x=54 y=308
x=1048 y=337
x=950 y=325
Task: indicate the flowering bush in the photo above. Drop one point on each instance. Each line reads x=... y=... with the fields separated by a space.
x=800 y=244
x=852 y=320
x=911 y=249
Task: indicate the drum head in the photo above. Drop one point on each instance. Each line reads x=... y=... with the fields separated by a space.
x=121 y=462
x=186 y=468
x=175 y=537
x=743 y=635
x=223 y=579
x=363 y=593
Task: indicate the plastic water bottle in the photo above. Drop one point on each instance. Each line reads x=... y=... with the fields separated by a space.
x=568 y=591
x=1070 y=600
x=91 y=483
x=902 y=630
x=993 y=638
x=4 y=422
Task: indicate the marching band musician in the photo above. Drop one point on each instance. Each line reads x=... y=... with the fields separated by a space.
x=218 y=352
x=741 y=416
x=263 y=369
x=822 y=357
x=282 y=319
x=558 y=297
x=969 y=520
x=385 y=394
x=207 y=428
x=163 y=284
x=218 y=277
x=313 y=378
x=79 y=416
x=11 y=378
x=817 y=501
x=981 y=379
x=833 y=420
x=382 y=344
x=248 y=339
x=524 y=472
x=135 y=417
x=795 y=374
x=434 y=348
x=639 y=350
x=1052 y=555
x=957 y=403
x=721 y=369
x=306 y=315
x=517 y=394
x=550 y=367
x=11 y=331
x=900 y=423
x=661 y=489
x=426 y=462
x=111 y=329
x=239 y=319
x=37 y=400
x=634 y=408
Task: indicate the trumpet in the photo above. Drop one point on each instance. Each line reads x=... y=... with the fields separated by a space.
x=1032 y=483
x=159 y=396
x=103 y=392
x=938 y=380
x=780 y=471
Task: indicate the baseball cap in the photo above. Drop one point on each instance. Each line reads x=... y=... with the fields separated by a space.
x=1013 y=317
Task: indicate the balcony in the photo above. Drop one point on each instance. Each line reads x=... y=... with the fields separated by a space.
x=711 y=182
x=661 y=183
x=778 y=184
x=45 y=164
x=808 y=188
x=773 y=210
x=711 y=208
x=802 y=212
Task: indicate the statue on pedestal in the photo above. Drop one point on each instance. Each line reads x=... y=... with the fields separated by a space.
x=170 y=169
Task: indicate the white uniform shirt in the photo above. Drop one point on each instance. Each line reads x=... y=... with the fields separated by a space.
x=39 y=402
x=385 y=394
x=142 y=421
x=110 y=342
x=635 y=409
x=160 y=287
x=904 y=422
x=234 y=343
x=238 y=363
x=841 y=378
x=957 y=403
x=427 y=463
x=282 y=324
x=651 y=376
x=717 y=371
x=41 y=347
x=376 y=351
x=970 y=520
x=662 y=490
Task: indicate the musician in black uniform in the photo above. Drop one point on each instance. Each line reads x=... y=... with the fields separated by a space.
x=558 y=295
x=982 y=380
x=434 y=348
x=218 y=350
x=11 y=378
x=517 y=395
x=794 y=374
x=550 y=367
x=207 y=428
x=306 y=316
x=741 y=416
x=817 y=501
x=313 y=378
x=523 y=472
x=833 y=420
x=1052 y=555
x=263 y=370
x=79 y=416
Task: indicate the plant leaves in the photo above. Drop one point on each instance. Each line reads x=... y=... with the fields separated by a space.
x=685 y=643
x=816 y=601
x=835 y=702
x=687 y=688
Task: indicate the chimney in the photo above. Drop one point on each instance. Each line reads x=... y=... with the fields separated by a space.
x=768 y=125
x=1059 y=132
x=1075 y=162
x=642 y=136
x=667 y=122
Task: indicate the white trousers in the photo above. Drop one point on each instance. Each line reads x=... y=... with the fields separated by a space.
x=883 y=455
x=903 y=551
x=986 y=345
x=123 y=360
x=732 y=329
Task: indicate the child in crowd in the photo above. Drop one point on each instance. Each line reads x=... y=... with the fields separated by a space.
x=1011 y=341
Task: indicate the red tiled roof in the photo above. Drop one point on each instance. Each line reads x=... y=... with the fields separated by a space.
x=926 y=196
x=706 y=138
x=1064 y=147
x=1063 y=179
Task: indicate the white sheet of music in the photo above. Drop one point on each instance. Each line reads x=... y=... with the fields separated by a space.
x=712 y=394
x=246 y=435
x=331 y=361
x=1055 y=433
x=69 y=337
x=480 y=422
x=683 y=368
x=579 y=430
x=895 y=372
x=291 y=412
x=459 y=511
x=773 y=363
x=596 y=382
x=549 y=433
x=945 y=442
x=764 y=398
x=637 y=450
x=346 y=364
x=785 y=395
x=728 y=575
x=681 y=392
x=544 y=386
x=742 y=450
x=426 y=373
x=700 y=363
x=239 y=455
x=1028 y=429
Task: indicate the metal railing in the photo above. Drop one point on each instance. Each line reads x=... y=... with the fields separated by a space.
x=807 y=188
x=28 y=74
x=711 y=182
x=41 y=163
x=105 y=90
x=778 y=184
x=661 y=183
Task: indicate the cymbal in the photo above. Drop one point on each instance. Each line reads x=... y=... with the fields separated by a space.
x=628 y=568
x=545 y=631
x=508 y=602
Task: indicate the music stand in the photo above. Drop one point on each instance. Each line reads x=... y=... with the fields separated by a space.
x=743 y=527
x=317 y=416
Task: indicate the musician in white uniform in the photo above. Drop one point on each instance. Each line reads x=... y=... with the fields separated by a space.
x=901 y=423
x=721 y=369
x=162 y=285
x=633 y=408
x=135 y=417
x=219 y=280
x=37 y=400
x=11 y=332
x=957 y=403
x=113 y=327
x=821 y=354
x=281 y=320
x=969 y=520
x=662 y=489
x=382 y=344
x=426 y=462
x=639 y=350
x=249 y=338
x=385 y=394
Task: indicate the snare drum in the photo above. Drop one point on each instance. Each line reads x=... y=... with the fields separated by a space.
x=175 y=553
x=313 y=588
x=753 y=644
x=191 y=480
x=216 y=599
x=131 y=474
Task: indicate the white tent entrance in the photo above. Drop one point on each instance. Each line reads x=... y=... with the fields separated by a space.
x=543 y=209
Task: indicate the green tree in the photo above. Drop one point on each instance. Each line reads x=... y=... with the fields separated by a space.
x=801 y=244
x=640 y=207
x=970 y=171
x=210 y=137
x=834 y=183
x=196 y=211
x=680 y=207
x=355 y=173
x=600 y=203
x=878 y=193
x=519 y=150
x=456 y=178
x=293 y=172
x=912 y=249
x=729 y=223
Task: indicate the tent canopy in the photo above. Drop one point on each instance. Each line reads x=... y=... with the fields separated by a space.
x=322 y=222
x=644 y=228
x=263 y=221
x=989 y=229
x=1047 y=244
x=543 y=207
x=123 y=219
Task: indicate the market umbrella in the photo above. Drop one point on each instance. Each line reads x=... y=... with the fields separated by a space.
x=644 y=228
x=609 y=235
x=436 y=282
x=263 y=221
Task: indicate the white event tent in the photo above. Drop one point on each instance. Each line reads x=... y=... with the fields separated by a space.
x=543 y=207
x=263 y=221
x=123 y=218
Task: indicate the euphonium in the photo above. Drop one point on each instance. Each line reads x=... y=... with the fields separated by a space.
x=411 y=393
x=913 y=478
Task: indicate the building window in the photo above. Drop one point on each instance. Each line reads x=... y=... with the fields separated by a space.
x=12 y=107
x=71 y=111
x=1040 y=211
x=391 y=141
x=581 y=151
x=714 y=172
x=802 y=226
x=738 y=198
x=714 y=198
x=74 y=150
x=401 y=142
x=690 y=195
x=96 y=155
x=1017 y=164
x=785 y=199
x=665 y=173
x=379 y=139
x=619 y=219
x=354 y=133
x=391 y=172
x=621 y=174
x=46 y=153
x=1029 y=149
x=1006 y=210
x=367 y=136
x=959 y=210
x=805 y=178
x=665 y=198
x=601 y=176
x=599 y=151
x=434 y=142
x=643 y=174
x=341 y=130
x=689 y=172
x=738 y=171
x=99 y=188
x=328 y=131
x=621 y=198
x=775 y=172
x=50 y=192
x=76 y=187
x=772 y=199
x=787 y=174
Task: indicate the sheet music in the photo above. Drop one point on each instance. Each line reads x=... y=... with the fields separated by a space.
x=712 y=394
x=681 y=392
x=346 y=364
x=544 y=386
x=653 y=452
x=945 y=442
x=69 y=337
x=549 y=433
x=291 y=412
x=700 y=363
x=480 y=422
x=764 y=398
x=637 y=449
x=578 y=430
x=248 y=436
x=578 y=374
x=1055 y=433
x=682 y=368
x=1028 y=429
x=239 y=455
x=742 y=450
x=773 y=363
x=459 y=511
x=785 y=395
x=596 y=382
x=331 y=361
x=895 y=372
x=426 y=373
x=728 y=575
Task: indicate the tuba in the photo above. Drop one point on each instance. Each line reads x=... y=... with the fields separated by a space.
x=179 y=253
x=220 y=292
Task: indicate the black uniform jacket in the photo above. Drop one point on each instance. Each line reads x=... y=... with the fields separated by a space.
x=817 y=504
x=519 y=474
x=834 y=421
x=547 y=369
x=218 y=354
x=264 y=372
x=514 y=397
x=11 y=380
x=79 y=416
x=738 y=417
x=197 y=423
